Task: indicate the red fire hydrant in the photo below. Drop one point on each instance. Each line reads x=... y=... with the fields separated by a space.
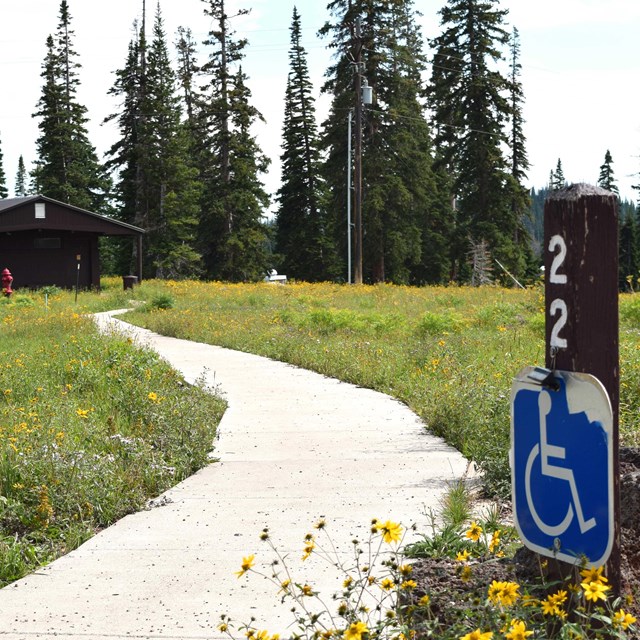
x=7 y=279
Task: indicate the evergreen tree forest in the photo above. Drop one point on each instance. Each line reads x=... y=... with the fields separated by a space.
x=430 y=158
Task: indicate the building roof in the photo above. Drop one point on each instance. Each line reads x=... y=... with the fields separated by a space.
x=104 y=222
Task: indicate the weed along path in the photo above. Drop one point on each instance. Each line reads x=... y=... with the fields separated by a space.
x=292 y=447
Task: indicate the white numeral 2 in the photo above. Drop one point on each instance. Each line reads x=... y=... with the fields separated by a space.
x=561 y=306
x=554 y=276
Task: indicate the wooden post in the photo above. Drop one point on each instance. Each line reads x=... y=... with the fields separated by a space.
x=581 y=300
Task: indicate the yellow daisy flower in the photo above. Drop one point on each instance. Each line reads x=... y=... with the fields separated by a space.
x=474 y=532
x=247 y=563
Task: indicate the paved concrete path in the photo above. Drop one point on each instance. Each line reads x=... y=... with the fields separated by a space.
x=293 y=446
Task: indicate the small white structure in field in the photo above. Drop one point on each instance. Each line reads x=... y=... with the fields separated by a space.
x=273 y=276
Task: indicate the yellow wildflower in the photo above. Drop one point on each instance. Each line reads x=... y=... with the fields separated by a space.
x=466 y=574
x=387 y=584
x=474 y=532
x=593 y=575
x=247 y=563
x=477 y=635
x=82 y=413
x=355 y=631
x=404 y=569
x=463 y=556
x=503 y=593
x=548 y=607
x=558 y=598
x=391 y=531
x=306 y=590
x=622 y=619
x=518 y=631
x=308 y=549
x=594 y=590
x=510 y=593
x=409 y=584
x=284 y=585
x=495 y=541
x=424 y=601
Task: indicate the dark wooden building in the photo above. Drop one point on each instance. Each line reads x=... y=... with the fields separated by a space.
x=42 y=241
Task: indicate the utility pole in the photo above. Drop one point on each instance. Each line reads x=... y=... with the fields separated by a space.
x=349 y=163
x=357 y=157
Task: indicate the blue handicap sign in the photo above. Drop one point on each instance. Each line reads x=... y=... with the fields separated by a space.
x=562 y=466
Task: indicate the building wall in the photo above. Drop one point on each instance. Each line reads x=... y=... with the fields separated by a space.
x=36 y=259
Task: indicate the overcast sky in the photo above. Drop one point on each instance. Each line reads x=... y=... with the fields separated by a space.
x=580 y=73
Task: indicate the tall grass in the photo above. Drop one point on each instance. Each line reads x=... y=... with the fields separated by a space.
x=91 y=427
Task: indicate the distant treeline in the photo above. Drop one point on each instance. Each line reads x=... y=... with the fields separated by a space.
x=438 y=156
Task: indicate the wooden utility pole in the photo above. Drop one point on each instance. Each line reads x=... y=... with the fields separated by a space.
x=581 y=292
x=357 y=157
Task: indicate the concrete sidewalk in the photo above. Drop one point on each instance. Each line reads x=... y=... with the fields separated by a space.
x=293 y=446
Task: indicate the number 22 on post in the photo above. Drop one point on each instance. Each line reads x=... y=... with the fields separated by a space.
x=558 y=306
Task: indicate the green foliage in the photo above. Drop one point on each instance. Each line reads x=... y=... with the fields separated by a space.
x=232 y=236
x=440 y=323
x=162 y=301
x=159 y=189
x=407 y=213
x=471 y=100
x=67 y=167
x=303 y=234
x=4 y=193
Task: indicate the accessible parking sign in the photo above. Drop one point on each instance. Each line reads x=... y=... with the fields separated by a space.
x=562 y=466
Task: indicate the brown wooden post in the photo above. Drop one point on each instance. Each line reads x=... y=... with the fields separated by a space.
x=581 y=294
x=139 y=258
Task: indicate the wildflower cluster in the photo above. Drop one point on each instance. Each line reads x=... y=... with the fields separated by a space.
x=479 y=607
x=381 y=599
x=373 y=599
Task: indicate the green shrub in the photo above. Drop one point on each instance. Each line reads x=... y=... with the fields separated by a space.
x=438 y=323
x=162 y=301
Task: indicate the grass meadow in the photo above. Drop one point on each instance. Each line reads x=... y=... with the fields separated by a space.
x=91 y=427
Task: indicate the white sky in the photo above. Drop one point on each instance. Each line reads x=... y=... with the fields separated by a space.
x=581 y=73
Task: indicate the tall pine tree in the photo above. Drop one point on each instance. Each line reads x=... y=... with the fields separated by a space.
x=470 y=102
x=232 y=232
x=521 y=255
x=158 y=184
x=556 y=178
x=606 y=179
x=4 y=193
x=67 y=167
x=303 y=233
x=21 y=179
x=404 y=215
x=173 y=190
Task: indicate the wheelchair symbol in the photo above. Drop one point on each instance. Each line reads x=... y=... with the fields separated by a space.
x=545 y=451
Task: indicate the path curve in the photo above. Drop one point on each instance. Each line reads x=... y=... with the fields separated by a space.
x=293 y=446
